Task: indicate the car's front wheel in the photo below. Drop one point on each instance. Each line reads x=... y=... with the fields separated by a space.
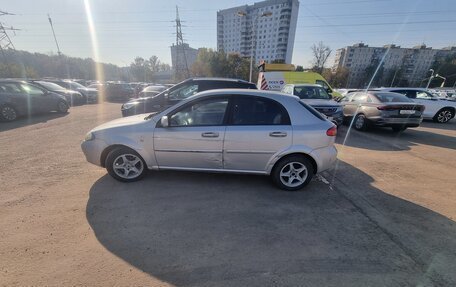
x=125 y=164
x=292 y=173
x=444 y=115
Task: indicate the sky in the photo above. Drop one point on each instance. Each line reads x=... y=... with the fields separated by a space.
x=126 y=29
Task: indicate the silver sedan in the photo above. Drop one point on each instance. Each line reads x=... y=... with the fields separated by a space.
x=240 y=131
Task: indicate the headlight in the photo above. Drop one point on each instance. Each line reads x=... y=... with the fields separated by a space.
x=127 y=106
x=89 y=136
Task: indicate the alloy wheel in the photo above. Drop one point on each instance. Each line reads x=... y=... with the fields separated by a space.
x=8 y=113
x=359 y=122
x=293 y=174
x=128 y=166
x=444 y=116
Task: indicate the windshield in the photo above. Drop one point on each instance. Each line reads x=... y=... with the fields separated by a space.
x=311 y=93
x=51 y=86
x=228 y=143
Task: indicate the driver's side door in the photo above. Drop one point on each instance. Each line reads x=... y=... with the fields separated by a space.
x=194 y=137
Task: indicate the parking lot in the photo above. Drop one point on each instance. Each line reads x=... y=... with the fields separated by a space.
x=385 y=216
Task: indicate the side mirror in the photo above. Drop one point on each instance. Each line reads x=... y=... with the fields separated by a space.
x=166 y=95
x=164 y=121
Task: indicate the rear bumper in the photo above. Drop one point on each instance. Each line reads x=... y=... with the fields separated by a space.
x=324 y=157
x=408 y=122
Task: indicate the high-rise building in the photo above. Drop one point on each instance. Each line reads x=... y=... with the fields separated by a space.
x=412 y=64
x=265 y=28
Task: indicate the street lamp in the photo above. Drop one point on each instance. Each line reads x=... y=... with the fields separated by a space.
x=430 y=78
x=443 y=78
x=253 y=33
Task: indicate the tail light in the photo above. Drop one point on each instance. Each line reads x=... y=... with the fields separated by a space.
x=332 y=132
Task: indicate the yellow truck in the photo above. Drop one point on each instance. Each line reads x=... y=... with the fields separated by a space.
x=274 y=76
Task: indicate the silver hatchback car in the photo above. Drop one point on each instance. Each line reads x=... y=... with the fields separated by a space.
x=240 y=131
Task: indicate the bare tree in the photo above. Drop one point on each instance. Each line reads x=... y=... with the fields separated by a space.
x=321 y=54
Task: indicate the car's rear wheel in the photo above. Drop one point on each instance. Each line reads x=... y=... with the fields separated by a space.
x=444 y=115
x=292 y=173
x=361 y=123
x=125 y=164
x=8 y=113
x=62 y=107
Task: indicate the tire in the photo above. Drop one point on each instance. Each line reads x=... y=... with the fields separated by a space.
x=62 y=107
x=125 y=165
x=292 y=173
x=443 y=116
x=8 y=113
x=361 y=123
x=398 y=129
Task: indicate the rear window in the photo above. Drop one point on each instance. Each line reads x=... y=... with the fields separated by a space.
x=313 y=111
x=391 y=97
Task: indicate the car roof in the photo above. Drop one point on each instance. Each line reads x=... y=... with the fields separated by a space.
x=219 y=79
x=304 y=85
x=399 y=88
x=248 y=92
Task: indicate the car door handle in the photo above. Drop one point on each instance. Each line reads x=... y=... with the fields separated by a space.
x=210 y=135
x=277 y=134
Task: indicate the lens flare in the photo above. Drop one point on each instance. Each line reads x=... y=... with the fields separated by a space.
x=96 y=56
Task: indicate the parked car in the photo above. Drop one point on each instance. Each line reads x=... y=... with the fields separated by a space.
x=317 y=97
x=19 y=98
x=439 y=110
x=151 y=91
x=180 y=92
x=385 y=109
x=228 y=130
x=118 y=92
x=90 y=95
x=72 y=97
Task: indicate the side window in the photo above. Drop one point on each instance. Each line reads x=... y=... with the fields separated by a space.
x=323 y=84
x=359 y=98
x=408 y=93
x=183 y=92
x=31 y=90
x=423 y=95
x=206 y=112
x=258 y=111
x=369 y=99
x=9 y=88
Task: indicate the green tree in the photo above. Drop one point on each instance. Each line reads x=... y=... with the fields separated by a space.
x=299 y=68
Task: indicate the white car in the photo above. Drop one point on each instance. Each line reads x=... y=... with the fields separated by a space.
x=437 y=109
x=240 y=131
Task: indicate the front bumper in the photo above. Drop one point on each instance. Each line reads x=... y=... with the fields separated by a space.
x=93 y=150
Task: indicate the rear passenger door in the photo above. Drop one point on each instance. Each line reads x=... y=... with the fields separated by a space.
x=257 y=129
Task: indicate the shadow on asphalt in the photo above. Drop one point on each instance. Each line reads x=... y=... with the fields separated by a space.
x=236 y=230
x=450 y=126
x=384 y=139
x=31 y=120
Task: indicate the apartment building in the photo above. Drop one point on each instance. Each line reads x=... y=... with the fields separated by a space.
x=266 y=29
x=412 y=64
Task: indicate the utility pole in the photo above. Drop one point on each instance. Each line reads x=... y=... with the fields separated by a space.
x=180 y=70
x=55 y=38
x=5 y=40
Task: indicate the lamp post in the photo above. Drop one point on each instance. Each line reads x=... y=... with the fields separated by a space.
x=430 y=78
x=443 y=78
x=253 y=36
